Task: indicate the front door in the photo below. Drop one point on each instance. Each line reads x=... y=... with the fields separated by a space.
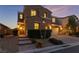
x=21 y=30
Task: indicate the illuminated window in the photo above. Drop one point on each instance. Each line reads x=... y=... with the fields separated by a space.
x=45 y=15
x=53 y=19
x=43 y=21
x=36 y=25
x=33 y=12
x=21 y=16
x=50 y=27
x=46 y=27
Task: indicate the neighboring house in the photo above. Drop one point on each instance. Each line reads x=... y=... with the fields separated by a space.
x=63 y=24
x=5 y=30
x=59 y=24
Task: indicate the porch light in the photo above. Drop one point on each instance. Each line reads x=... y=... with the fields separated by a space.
x=20 y=28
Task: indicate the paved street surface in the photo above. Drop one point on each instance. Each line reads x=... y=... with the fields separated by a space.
x=27 y=45
x=69 y=50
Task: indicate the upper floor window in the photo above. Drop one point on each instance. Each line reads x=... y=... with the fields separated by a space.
x=53 y=19
x=21 y=16
x=45 y=15
x=33 y=12
x=43 y=21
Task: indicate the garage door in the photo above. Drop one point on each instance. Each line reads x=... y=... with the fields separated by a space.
x=55 y=31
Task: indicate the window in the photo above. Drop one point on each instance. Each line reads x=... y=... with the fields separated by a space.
x=46 y=27
x=45 y=15
x=33 y=12
x=21 y=16
x=43 y=21
x=36 y=25
x=50 y=27
x=53 y=19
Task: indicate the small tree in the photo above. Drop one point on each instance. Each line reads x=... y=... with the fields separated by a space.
x=72 y=23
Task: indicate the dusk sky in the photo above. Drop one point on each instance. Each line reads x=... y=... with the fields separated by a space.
x=8 y=14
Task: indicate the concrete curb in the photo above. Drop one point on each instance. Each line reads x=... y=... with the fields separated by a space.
x=50 y=48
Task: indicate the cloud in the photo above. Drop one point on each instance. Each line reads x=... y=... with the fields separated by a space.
x=59 y=10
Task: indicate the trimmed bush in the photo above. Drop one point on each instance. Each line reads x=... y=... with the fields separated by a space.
x=39 y=34
x=55 y=41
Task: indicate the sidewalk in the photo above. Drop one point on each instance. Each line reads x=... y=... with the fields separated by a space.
x=67 y=39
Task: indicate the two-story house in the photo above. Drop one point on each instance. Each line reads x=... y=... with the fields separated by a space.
x=59 y=25
x=36 y=17
x=33 y=17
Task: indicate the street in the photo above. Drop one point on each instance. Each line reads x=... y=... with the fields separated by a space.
x=69 y=50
